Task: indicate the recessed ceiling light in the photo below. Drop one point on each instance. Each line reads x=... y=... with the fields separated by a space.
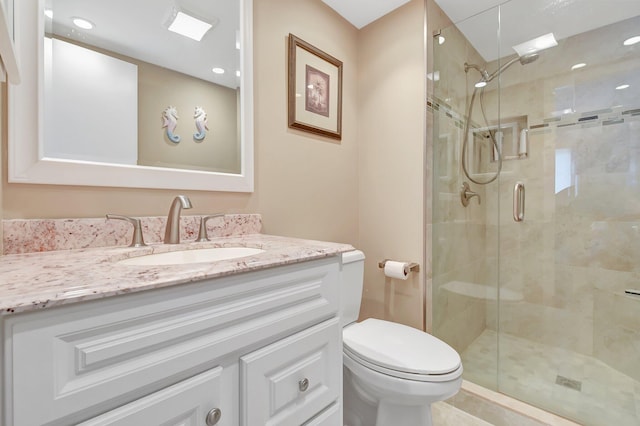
x=188 y=26
x=441 y=40
x=578 y=66
x=622 y=87
x=536 y=44
x=218 y=70
x=82 y=23
x=481 y=84
x=237 y=73
x=632 y=40
x=48 y=13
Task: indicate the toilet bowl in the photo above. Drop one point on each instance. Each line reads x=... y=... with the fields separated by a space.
x=392 y=372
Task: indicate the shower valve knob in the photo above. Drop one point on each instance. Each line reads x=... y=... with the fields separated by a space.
x=466 y=194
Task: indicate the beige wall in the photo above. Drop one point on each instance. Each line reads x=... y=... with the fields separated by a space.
x=306 y=186
x=391 y=160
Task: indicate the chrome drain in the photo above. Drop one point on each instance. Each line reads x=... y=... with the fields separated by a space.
x=569 y=383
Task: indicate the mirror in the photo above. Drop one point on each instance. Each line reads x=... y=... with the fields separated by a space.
x=131 y=102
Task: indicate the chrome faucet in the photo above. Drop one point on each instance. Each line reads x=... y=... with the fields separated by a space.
x=172 y=231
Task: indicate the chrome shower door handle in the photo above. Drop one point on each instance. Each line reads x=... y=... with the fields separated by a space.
x=518 y=202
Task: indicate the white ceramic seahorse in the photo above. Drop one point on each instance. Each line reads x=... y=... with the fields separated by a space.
x=201 y=123
x=170 y=121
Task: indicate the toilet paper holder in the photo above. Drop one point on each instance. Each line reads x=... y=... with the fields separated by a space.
x=413 y=267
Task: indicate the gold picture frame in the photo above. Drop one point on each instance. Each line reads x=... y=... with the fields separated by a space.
x=314 y=90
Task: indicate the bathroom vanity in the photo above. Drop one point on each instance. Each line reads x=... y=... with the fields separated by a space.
x=249 y=341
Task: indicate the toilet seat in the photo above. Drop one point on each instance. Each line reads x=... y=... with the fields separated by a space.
x=401 y=351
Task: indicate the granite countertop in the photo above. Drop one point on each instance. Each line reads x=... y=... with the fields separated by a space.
x=34 y=281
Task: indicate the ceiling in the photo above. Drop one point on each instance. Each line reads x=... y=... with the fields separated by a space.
x=137 y=29
x=521 y=20
x=362 y=12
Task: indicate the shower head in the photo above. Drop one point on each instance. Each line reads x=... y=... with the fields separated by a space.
x=524 y=60
x=486 y=77
x=527 y=59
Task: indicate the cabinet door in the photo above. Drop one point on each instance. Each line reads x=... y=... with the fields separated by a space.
x=184 y=404
x=294 y=379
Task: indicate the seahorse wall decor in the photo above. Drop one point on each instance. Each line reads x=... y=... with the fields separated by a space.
x=170 y=121
x=201 y=124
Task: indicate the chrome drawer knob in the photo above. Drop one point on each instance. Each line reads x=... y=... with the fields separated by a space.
x=213 y=417
x=303 y=385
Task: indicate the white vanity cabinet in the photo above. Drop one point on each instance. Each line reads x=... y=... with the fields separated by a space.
x=256 y=348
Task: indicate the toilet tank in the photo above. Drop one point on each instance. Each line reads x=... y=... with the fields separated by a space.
x=352 y=280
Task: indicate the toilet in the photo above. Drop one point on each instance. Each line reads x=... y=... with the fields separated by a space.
x=392 y=372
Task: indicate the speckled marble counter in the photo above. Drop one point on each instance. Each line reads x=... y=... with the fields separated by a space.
x=38 y=235
x=33 y=281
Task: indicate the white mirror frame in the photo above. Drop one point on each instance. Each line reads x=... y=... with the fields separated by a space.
x=26 y=111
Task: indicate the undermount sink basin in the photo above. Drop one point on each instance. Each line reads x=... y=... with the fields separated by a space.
x=184 y=257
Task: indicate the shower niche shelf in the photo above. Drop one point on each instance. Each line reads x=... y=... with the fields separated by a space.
x=511 y=136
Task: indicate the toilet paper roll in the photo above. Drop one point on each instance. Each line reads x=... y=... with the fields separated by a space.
x=397 y=270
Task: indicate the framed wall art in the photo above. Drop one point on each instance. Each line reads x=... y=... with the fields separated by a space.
x=315 y=90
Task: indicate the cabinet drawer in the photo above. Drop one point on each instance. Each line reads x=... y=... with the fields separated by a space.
x=184 y=404
x=272 y=388
x=84 y=359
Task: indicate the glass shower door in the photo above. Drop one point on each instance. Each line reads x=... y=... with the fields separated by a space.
x=572 y=344
x=538 y=307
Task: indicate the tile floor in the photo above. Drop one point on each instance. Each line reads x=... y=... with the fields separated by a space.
x=529 y=370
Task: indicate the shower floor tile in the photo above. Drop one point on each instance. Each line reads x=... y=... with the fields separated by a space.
x=529 y=372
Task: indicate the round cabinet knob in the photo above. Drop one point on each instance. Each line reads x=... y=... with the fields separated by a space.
x=213 y=417
x=303 y=385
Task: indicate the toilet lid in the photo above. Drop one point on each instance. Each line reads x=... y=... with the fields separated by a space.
x=399 y=347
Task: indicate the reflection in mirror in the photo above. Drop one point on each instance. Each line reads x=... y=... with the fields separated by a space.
x=112 y=68
x=121 y=88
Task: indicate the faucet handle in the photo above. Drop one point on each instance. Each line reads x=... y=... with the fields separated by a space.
x=202 y=233
x=137 y=240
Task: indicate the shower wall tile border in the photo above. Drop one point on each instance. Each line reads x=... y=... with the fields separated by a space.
x=601 y=117
x=435 y=104
x=588 y=119
x=40 y=235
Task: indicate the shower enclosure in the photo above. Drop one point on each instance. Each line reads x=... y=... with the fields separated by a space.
x=533 y=279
